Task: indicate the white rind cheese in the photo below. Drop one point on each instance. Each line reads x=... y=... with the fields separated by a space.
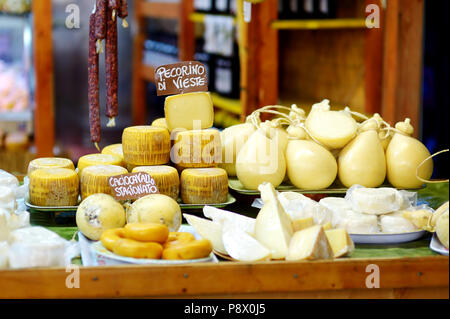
x=243 y=247
x=220 y=216
x=7 y=199
x=376 y=201
x=36 y=247
x=396 y=224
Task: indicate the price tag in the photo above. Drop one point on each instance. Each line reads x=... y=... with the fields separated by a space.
x=132 y=186
x=179 y=78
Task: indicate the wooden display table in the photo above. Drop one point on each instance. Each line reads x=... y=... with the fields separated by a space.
x=426 y=277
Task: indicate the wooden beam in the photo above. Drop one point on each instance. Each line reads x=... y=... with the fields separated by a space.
x=403 y=52
x=258 y=51
x=160 y=10
x=374 y=63
x=44 y=117
x=234 y=278
x=186 y=36
x=139 y=104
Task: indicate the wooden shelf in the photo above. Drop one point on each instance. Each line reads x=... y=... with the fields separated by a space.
x=424 y=277
x=200 y=17
x=226 y=104
x=161 y=10
x=319 y=24
x=148 y=73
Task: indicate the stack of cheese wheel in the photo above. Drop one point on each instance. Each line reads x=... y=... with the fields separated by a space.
x=197 y=149
x=204 y=185
x=166 y=178
x=50 y=162
x=98 y=159
x=145 y=146
x=54 y=187
x=114 y=149
x=94 y=179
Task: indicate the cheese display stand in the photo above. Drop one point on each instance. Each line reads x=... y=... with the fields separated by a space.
x=293 y=202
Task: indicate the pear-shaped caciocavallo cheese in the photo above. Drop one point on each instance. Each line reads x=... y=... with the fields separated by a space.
x=362 y=161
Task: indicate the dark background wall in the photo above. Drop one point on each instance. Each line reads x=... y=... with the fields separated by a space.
x=436 y=82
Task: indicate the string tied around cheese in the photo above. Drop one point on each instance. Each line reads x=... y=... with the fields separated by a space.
x=423 y=163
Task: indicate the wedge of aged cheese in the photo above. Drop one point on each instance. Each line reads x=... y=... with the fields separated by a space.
x=395 y=223
x=209 y=230
x=7 y=199
x=340 y=242
x=166 y=178
x=36 y=247
x=146 y=145
x=54 y=187
x=299 y=206
x=204 y=186
x=114 y=149
x=309 y=244
x=198 y=148
x=235 y=220
x=189 y=111
x=94 y=179
x=376 y=201
x=50 y=162
x=242 y=246
x=98 y=159
x=3 y=255
x=302 y=223
x=273 y=227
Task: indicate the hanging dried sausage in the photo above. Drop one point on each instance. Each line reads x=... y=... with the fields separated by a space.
x=93 y=91
x=100 y=19
x=111 y=66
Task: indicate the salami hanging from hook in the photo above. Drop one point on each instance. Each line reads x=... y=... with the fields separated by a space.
x=111 y=64
x=93 y=87
x=123 y=12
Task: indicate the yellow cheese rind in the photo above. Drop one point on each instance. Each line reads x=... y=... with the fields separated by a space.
x=166 y=178
x=204 y=186
x=94 y=179
x=98 y=159
x=161 y=122
x=197 y=149
x=189 y=111
x=146 y=145
x=340 y=242
x=50 y=162
x=114 y=149
x=54 y=187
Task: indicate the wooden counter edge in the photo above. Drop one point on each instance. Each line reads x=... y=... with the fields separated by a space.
x=229 y=279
